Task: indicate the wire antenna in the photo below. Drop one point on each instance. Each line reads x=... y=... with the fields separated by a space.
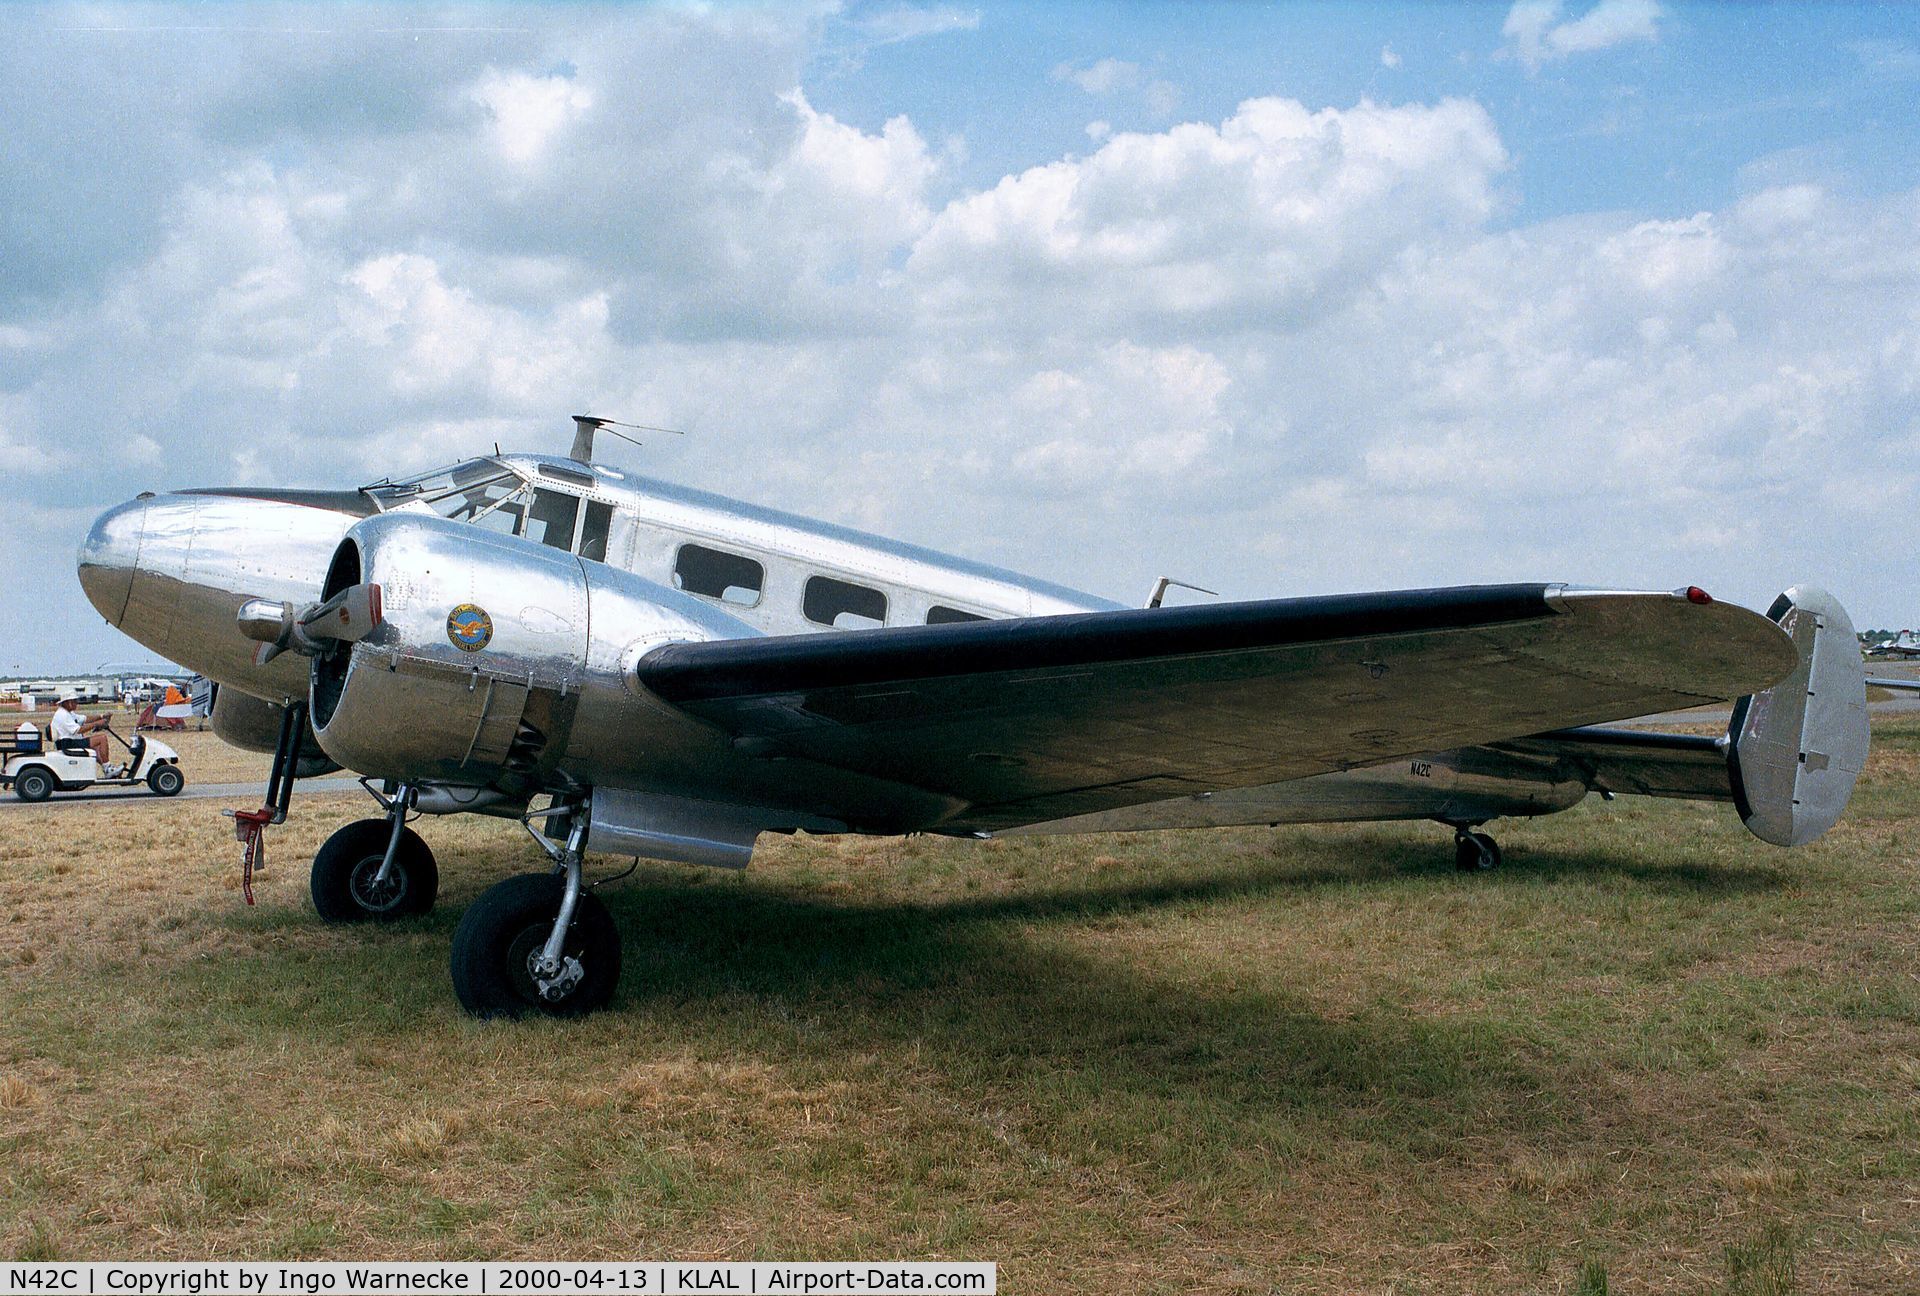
x=585 y=425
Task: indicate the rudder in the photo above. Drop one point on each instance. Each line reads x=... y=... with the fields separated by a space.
x=1795 y=750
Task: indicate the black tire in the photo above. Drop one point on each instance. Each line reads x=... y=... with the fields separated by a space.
x=166 y=780
x=1475 y=853
x=34 y=783
x=508 y=925
x=345 y=867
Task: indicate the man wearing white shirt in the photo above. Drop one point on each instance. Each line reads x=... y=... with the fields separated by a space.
x=69 y=731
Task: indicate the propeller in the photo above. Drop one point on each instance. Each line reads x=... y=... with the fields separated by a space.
x=346 y=618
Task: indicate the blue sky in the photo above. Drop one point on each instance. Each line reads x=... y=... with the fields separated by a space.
x=1279 y=299
x=1725 y=96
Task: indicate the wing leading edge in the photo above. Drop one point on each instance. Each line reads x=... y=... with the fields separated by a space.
x=1033 y=719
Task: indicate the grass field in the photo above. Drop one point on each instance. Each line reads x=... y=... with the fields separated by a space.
x=1648 y=1055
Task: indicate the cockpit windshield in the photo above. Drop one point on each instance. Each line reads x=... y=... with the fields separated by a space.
x=487 y=493
x=437 y=484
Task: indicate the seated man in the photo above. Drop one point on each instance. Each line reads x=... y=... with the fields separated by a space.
x=67 y=729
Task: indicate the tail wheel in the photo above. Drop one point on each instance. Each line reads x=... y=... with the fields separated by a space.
x=166 y=780
x=1475 y=852
x=35 y=783
x=505 y=930
x=346 y=881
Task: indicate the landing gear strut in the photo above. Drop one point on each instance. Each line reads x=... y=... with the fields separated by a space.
x=538 y=943
x=250 y=826
x=1474 y=852
x=375 y=870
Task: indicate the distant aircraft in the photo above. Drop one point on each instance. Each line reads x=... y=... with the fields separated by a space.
x=648 y=670
x=1901 y=645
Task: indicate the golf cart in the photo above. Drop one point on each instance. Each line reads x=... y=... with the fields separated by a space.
x=36 y=769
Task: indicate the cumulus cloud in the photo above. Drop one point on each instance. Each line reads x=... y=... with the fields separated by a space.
x=1275 y=214
x=1536 y=33
x=1107 y=77
x=528 y=112
x=905 y=23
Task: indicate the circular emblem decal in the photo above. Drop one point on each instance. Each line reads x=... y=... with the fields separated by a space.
x=469 y=627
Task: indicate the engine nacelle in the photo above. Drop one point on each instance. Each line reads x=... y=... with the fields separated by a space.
x=253 y=724
x=497 y=662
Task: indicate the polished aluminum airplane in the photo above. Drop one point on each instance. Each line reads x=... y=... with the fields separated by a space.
x=644 y=670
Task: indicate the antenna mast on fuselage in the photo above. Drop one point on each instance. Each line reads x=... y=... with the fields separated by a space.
x=585 y=425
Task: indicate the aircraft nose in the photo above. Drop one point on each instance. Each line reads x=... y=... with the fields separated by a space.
x=110 y=555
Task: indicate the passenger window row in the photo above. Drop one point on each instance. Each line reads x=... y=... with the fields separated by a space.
x=739 y=580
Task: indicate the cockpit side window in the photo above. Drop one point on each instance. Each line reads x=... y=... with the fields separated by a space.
x=505 y=518
x=551 y=519
x=484 y=493
x=593 y=531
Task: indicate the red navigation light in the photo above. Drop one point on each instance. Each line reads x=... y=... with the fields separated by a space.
x=1697 y=595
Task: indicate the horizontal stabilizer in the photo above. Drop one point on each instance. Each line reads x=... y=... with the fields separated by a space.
x=1790 y=755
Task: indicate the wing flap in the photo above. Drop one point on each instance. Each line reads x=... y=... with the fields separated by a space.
x=1040 y=718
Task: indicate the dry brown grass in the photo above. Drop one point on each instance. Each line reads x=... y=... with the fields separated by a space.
x=1245 y=1061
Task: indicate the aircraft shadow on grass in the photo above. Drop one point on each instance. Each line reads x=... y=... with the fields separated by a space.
x=978 y=986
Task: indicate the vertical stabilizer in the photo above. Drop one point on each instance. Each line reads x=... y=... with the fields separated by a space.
x=1796 y=749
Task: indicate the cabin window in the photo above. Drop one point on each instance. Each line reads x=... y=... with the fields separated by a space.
x=716 y=574
x=938 y=615
x=593 y=531
x=844 y=606
x=551 y=519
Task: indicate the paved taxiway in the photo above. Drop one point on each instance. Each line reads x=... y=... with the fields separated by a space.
x=239 y=793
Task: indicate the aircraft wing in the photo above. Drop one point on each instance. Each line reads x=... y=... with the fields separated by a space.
x=1031 y=719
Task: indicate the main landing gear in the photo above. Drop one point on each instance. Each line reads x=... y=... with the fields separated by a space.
x=1473 y=851
x=538 y=943
x=534 y=944
x=375 y=870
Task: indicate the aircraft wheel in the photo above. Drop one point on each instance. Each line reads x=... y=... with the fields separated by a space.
x=166 y=780
x=345 y=870
x=1475 y=852
x=33 y=784
x=505 y=930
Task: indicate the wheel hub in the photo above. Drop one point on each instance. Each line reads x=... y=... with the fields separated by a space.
x=527 y=955
x=372 y=894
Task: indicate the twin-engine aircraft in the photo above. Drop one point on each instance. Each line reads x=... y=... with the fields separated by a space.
x=638 y=669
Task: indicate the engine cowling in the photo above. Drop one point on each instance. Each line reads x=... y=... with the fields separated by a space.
x=496 y=661
x=253 y=724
